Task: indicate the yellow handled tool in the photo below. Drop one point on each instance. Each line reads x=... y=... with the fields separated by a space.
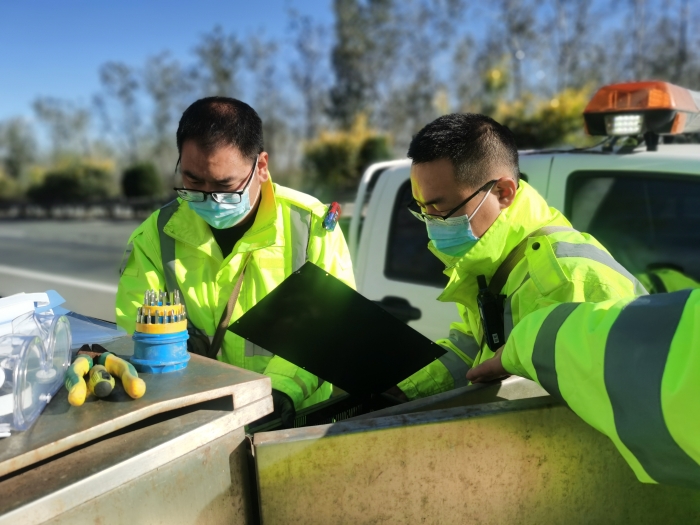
x=100 y=382
x=74 y=382
x=133 y=385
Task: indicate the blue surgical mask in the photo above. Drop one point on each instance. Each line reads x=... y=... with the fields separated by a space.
x=453 y=236
x=222 y=216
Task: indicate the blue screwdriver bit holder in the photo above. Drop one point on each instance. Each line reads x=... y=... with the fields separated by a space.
x=160 y=336
x=160 y=353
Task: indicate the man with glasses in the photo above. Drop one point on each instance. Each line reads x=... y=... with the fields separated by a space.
x=228 y=240
x=484 y=222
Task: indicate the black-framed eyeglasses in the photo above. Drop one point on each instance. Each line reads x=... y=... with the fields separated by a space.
x=222 y=197
x=419 y=214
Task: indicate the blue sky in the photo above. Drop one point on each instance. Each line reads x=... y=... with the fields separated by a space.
x=55 y=47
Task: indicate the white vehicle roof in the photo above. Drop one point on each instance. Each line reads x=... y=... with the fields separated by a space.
x=668 y=158
x=667 y=152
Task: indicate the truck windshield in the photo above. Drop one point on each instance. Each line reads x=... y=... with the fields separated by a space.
x=641 y=218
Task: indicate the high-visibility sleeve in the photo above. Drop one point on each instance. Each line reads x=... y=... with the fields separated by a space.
x=586 y=273
x=329 y=251
x=630 y=369
x=143 y=271
x=664 y=280
x=447 y=372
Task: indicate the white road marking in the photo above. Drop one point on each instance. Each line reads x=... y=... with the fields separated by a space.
x=58 y=279
x=12 y=233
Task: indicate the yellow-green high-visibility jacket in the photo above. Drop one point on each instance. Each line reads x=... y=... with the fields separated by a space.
x=558 y=267
x=630 y=369
x=663 y=280
x=176 y=243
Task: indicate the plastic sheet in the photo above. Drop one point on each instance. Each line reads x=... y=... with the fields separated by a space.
x=321 y=324
x=88 y=330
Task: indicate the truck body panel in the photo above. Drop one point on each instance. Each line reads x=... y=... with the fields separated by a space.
x=524 y=461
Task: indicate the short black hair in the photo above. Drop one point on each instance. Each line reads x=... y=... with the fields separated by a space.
x=474 y=144
x=213 y=122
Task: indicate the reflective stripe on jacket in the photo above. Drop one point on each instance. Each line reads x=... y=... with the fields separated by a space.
x=630 y=369
x=287 y=230
x=564 y=266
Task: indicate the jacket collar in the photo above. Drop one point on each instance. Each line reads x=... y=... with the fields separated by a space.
x=528 y=213
x=189 y=228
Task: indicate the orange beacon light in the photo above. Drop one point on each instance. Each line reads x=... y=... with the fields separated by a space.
x=635 y=108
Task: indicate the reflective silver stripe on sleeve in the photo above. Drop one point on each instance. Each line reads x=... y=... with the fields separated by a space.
x=508 y=317
x=167 y=246
x=125 y=257
x=588 y=251
x=544 y=351
x=167 y=257
x=635 y=358
x=301 y=232
x=465 y=343
x=456 y=366
x=508 y=323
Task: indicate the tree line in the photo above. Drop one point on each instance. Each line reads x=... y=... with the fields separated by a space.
x=334 y=98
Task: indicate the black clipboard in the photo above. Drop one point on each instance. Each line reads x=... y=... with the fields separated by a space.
x=319 y=323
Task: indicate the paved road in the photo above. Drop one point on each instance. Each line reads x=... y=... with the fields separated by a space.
x=79 y=259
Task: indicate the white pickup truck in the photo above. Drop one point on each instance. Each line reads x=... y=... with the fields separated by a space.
x=644 y=206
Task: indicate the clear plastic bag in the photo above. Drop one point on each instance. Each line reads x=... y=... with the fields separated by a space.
x=34 y=358
x=88 y=330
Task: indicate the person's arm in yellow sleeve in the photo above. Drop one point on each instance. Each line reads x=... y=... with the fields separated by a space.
x=629 y=368
x=143 y=271
x=448 y=371
x=329 y=251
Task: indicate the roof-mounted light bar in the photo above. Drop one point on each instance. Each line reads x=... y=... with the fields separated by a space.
x=634 y=108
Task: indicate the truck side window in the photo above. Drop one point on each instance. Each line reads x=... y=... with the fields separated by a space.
x=641 y=218
x=408 y=258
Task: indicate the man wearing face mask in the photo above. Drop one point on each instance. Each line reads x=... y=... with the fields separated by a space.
x=483 y=221
x=228 y=240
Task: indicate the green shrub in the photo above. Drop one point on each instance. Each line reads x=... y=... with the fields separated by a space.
x=332 y=162
x=336 y=160
x=141 y=180
x=74 y=184
x=374 y=149
x=8 y=187
x=538 y=123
